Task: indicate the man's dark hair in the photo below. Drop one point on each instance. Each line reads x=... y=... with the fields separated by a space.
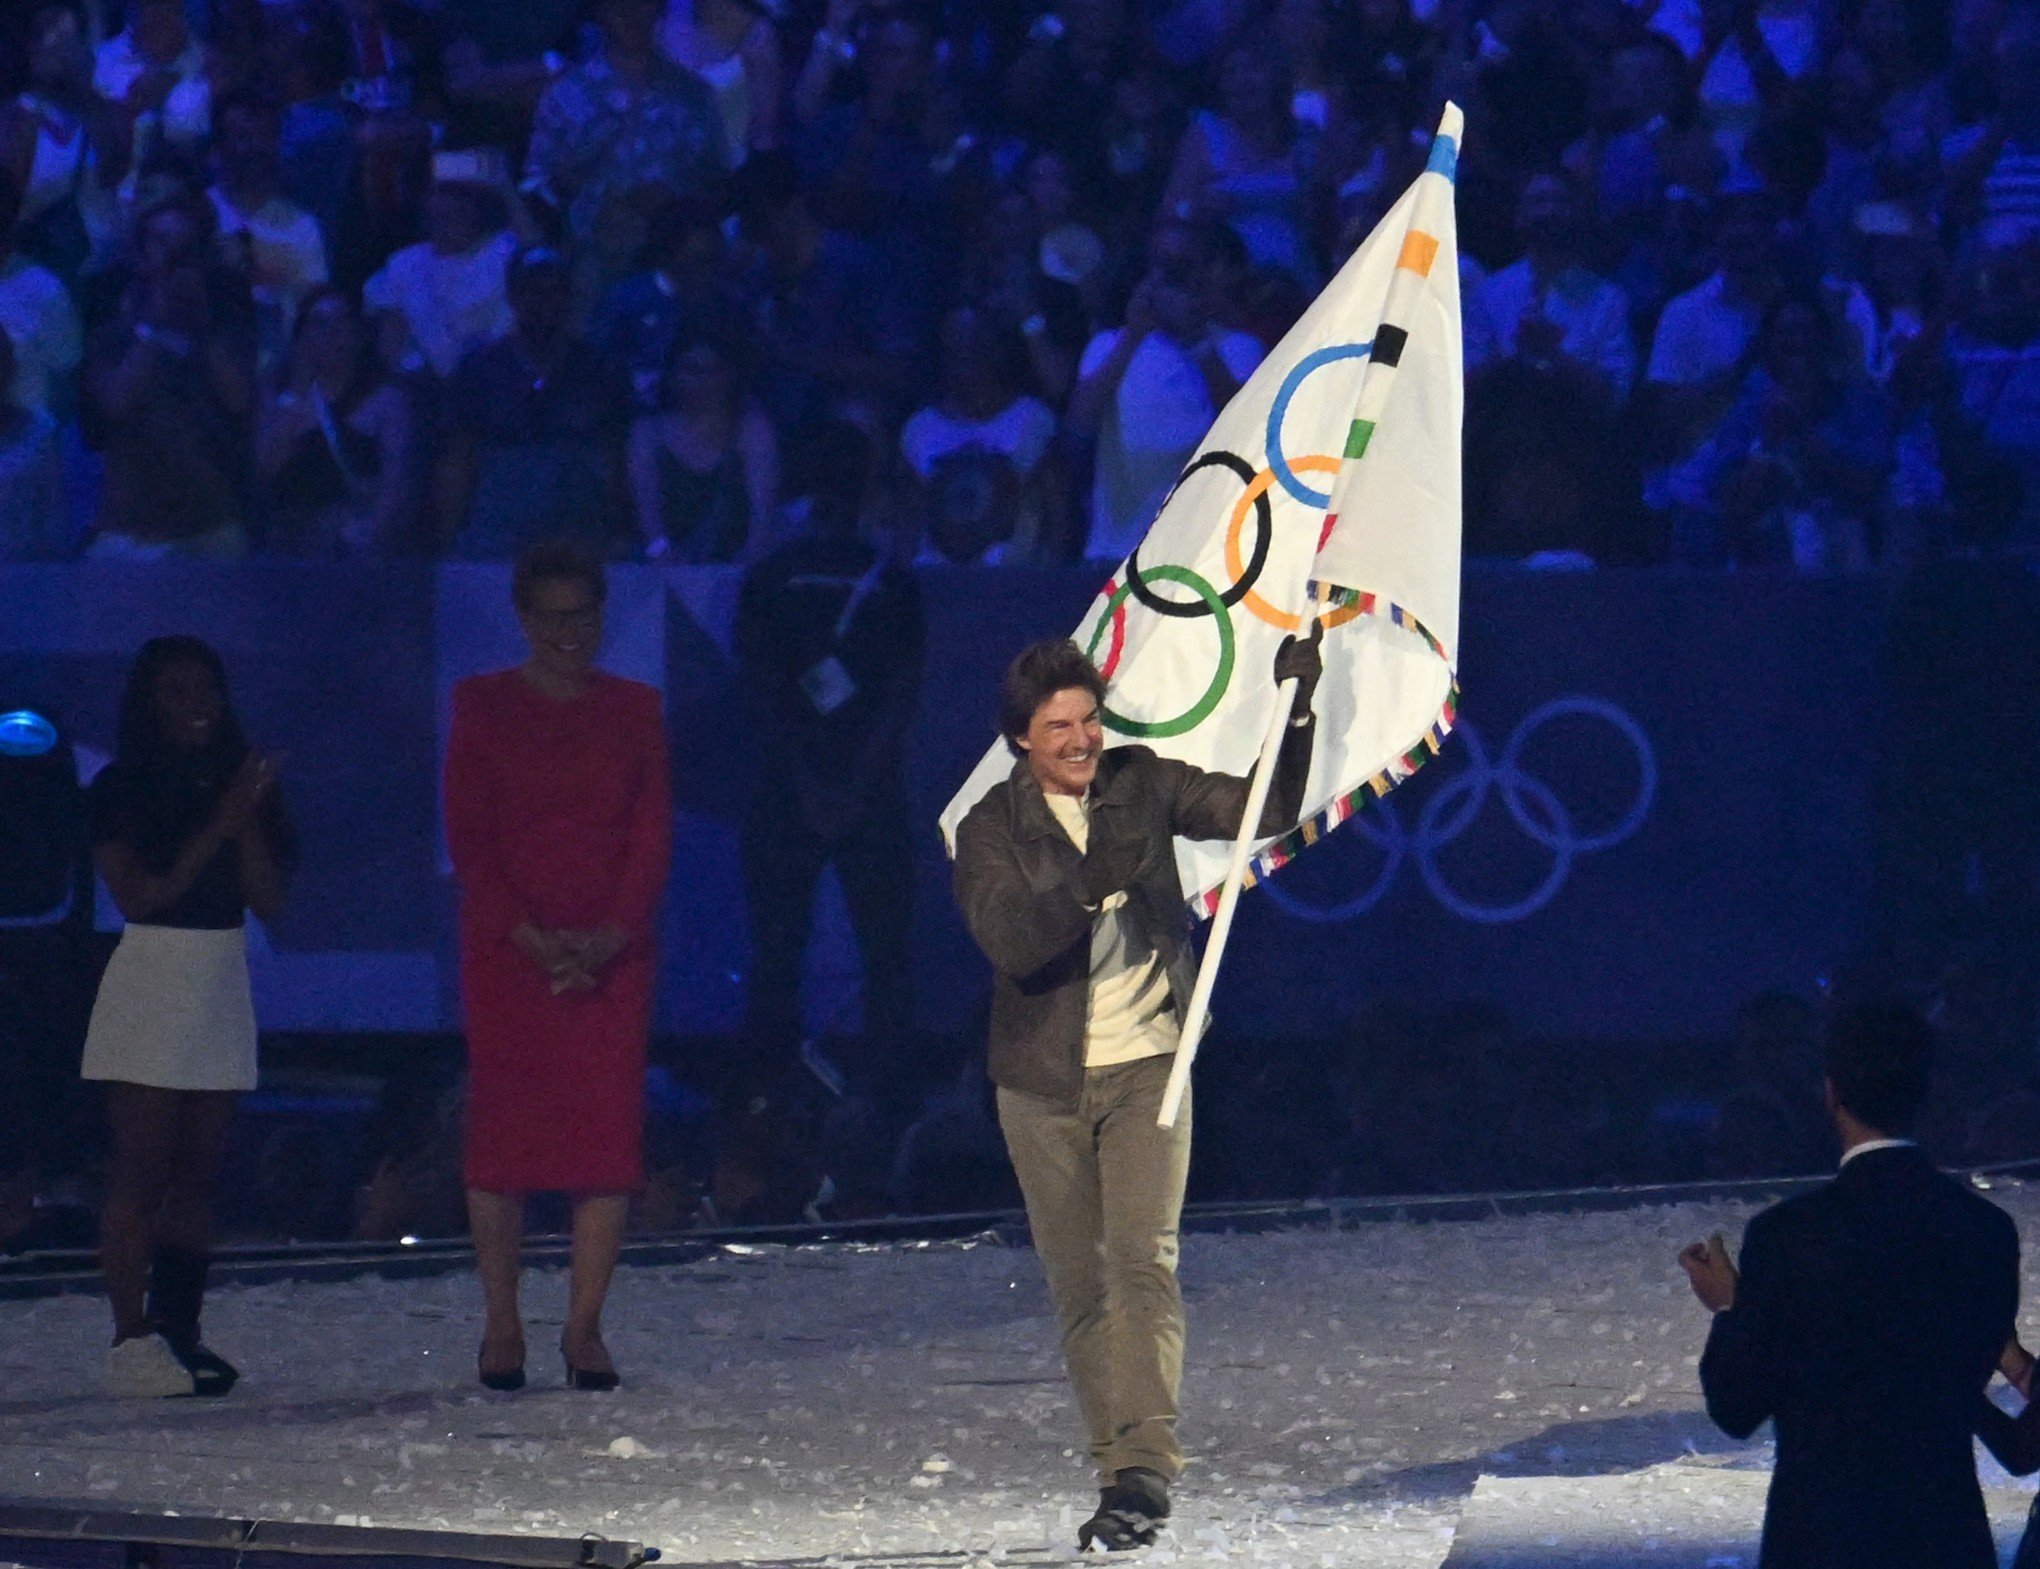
x=1042 y=669
x=556 y=561
x=1880 y=1057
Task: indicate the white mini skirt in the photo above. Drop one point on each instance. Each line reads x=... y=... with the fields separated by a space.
x=175 y=1011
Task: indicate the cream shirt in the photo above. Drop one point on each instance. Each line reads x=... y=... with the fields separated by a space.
x=1131 y=1012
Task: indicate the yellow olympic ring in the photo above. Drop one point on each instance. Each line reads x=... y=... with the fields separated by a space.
x=1281 y=620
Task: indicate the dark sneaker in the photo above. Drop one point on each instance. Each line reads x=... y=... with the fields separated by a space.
x=1130 y=1512
x=212 y=1375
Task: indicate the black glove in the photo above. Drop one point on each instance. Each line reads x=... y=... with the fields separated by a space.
x=1107 y=868
x=1297 y=659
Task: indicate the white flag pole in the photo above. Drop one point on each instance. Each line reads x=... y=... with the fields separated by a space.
x=1258 y=784
x=1228 y=901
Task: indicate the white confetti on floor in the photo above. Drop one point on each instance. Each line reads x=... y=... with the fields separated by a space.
x=1396 y=1395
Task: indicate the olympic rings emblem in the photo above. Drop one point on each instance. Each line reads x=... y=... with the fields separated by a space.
x=1530 y=802
x=1245 y=570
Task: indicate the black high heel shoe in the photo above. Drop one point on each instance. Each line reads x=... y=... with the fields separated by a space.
x=507 y=1381
x=593 y=1380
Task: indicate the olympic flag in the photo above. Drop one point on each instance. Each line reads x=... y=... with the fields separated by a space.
x=1336 y=465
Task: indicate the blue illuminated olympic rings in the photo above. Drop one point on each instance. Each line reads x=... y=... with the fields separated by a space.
x=1531 y=803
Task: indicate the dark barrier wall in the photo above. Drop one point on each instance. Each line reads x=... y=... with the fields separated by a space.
x=1668 y=792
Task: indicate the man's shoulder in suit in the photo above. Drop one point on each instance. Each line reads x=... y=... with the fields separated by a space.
x=1901 y=1188
x=1895 y=1180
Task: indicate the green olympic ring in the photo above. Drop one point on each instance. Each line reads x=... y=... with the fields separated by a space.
x=1200 y=710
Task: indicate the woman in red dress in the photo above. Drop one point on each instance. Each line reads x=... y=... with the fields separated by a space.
x=559 y=819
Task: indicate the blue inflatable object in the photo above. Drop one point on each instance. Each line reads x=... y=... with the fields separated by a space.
x=25 y=733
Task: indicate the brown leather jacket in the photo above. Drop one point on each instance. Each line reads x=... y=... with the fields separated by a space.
x=1014 y=870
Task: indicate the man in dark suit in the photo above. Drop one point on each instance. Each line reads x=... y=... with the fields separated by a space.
x=1866 y=1321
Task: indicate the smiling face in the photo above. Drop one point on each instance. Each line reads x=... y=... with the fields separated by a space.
x=562 y=621
x=1063 y=742
x=329 y=337
x=190 y=707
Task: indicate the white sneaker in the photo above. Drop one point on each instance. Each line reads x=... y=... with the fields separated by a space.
x=145 y=1368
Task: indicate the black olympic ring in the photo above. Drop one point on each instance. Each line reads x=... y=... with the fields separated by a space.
x=1264 y=538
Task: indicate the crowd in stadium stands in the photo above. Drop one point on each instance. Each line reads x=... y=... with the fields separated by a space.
x=1745 y=282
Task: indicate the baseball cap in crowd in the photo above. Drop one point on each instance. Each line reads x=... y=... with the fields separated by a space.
x=484 y=166
x=1889 y=220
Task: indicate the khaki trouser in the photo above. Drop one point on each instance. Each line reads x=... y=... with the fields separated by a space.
x=1104 y=1191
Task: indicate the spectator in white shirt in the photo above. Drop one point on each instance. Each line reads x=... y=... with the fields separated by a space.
x=448 y=290
x=979 y=457
x=1705 y=332
x=1697 y=356
x=263 y=232
x=155 y=70
x=1548 y=307
x=1149 y=390
x=63 y=147
x=38 y=318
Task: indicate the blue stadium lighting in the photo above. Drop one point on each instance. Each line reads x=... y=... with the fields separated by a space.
x=25 y=733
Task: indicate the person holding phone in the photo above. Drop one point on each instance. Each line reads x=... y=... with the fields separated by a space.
x=190 y=835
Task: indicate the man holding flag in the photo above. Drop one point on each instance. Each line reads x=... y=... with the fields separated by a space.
x=1066 y=874
x=1324 y=503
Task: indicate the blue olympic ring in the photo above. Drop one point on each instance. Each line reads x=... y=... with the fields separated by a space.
x=1534 y=806
x=1279 y=410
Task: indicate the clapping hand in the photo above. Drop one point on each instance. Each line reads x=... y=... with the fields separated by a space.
x=2016 y=1363
x=245 y=793
x=1709 y=1268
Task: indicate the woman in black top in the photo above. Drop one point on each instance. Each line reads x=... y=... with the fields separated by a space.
x=189 y=834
